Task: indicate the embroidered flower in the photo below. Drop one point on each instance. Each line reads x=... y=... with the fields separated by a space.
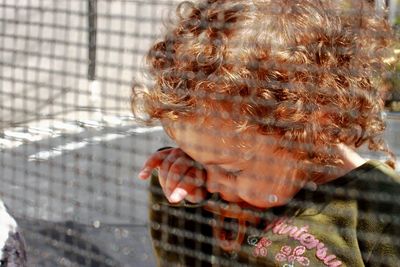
x=287 y=255
x=261 y=245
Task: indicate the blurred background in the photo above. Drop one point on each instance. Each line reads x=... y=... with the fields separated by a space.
x=70 y=151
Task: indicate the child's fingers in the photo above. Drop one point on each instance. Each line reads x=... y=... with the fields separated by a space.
x=200 y=192
x=190 y=187
x=179 y=194
x=176 y=172
x=152 y=162
x=165 y=168
x=197 y=195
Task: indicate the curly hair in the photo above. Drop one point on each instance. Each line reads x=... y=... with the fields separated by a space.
x=308 y=71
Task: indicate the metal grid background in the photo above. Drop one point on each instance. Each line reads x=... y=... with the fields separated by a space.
x=70 y=151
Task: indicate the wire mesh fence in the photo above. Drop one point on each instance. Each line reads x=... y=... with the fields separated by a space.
x=71 y=150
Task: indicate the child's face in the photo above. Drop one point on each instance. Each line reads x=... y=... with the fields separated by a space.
x=241 y=166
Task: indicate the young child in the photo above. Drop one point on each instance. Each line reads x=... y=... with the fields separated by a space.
x=267 y=102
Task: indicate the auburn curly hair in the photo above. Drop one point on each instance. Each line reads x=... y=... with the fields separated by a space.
x=308 y=71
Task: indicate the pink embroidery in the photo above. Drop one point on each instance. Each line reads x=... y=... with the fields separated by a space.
x=261 y=245
x=286 y=254
x=282 y=226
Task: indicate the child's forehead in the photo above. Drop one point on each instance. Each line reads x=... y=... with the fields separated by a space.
x=212 y=143
x=214 y=124
x=211 y=132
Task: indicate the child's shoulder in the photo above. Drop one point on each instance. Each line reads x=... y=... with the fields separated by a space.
x=378 y=179
x=368 y=196
x=387 y=173
x=374 y=185
x=373 y=176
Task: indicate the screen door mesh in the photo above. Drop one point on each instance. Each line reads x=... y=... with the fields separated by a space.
x=70 y=149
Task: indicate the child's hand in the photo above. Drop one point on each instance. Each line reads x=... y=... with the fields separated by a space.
x=179 y=175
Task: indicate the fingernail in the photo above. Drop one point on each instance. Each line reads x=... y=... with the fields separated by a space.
x=178 y=195
x=143 y=174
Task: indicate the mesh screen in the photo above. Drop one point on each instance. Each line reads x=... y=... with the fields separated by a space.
x=71 y=150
